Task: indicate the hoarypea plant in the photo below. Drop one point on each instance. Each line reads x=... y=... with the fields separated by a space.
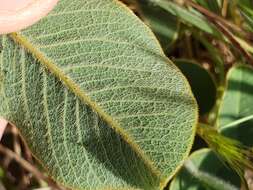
x=102 y=107
x=97 y=101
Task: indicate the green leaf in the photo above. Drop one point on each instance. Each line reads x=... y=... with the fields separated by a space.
x=204 y=171
x=98 y=102
x=1 y=172
x=247 y=14
x=212 y=5
x=189 y=17
x=246 y=3
x=201 y=83
x=236 y=112
x=164 y=25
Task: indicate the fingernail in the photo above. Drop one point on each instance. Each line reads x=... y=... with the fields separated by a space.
x=16 y=15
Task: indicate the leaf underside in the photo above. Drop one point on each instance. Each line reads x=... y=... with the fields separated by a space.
x=96 y=99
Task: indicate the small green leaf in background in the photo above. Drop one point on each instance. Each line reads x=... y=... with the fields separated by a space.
x=188 y=17
x=247 y=13
x=2 y=176
x=246 y=3
x=96 y=99
x=212 y=5
x=163 y=24
x=1 y=173
x=236 y=112
x=202 y=84
x=204 y=171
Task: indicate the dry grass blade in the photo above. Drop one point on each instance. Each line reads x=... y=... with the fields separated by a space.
x=224 y=26
x=217 y=18
x=27 y=166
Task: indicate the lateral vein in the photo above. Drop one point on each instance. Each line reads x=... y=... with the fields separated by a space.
x=46 y=62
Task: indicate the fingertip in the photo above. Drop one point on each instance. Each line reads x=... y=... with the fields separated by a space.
x=17 y=15
x=3 y=125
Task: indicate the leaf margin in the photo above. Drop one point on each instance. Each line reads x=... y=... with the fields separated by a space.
x=79 y=93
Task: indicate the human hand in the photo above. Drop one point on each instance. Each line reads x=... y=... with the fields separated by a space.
x=16 y=15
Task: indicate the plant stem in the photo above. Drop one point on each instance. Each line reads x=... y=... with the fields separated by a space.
x=26 y=165
x=221 y=24
x=216 y=18
x=232 y=39
x=224 y=8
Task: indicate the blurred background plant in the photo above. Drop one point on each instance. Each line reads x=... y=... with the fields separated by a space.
x=211 y=43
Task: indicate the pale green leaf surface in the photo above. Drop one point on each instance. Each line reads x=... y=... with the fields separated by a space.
x=96 y=99
x=236 y=111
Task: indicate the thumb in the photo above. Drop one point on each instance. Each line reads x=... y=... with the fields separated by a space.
x=16 y=15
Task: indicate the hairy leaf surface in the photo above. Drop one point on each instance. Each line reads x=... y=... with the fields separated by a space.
x=99 y=104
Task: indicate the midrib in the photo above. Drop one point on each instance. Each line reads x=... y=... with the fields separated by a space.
x=45 y=61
